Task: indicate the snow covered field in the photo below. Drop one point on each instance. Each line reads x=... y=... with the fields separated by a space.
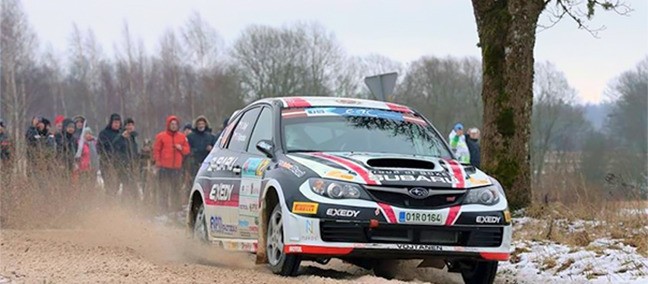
x=602 y=260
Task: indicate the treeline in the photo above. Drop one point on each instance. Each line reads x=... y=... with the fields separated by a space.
x=192 y=72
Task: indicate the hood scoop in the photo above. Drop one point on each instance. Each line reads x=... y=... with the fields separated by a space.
x=400 y=163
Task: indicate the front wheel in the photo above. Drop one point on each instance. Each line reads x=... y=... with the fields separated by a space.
x=280 y=262
x=479 y=272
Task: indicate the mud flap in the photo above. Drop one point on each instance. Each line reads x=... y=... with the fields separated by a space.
x=261 y=257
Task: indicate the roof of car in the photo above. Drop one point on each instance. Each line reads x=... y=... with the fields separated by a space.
x=305 y=102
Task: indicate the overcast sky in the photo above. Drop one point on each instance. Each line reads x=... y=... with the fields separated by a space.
x=403 y=30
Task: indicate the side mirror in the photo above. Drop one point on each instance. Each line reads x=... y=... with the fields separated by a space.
x=266 y=147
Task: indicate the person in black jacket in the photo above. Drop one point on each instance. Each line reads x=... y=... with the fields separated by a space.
x=40 y=145
x=472 y=140
x=68 y=146
x=201 y=141
x=127 y=159
x=107 y=153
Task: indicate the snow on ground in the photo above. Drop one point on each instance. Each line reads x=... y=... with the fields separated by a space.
x=603 y=260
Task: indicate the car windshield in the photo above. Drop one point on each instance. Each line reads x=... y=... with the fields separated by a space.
x=359 y=130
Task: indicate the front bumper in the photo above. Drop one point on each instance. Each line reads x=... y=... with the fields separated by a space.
x=364 y=228
x=344 y=238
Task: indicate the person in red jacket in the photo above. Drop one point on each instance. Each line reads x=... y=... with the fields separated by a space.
x=168 y=152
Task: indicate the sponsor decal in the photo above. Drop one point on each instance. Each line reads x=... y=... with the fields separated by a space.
x=337 y=174
x=216 y=225
x=418 y=247
x=222 y=163
x=250 y=187
x=221 y=192
x=333 y=212
x=254 y=167
x=418 y=192
x=305 y=207
x=309 y=231
x=294 y=249
x=488 y=219
x=292 y=168
x=413 y=176
x=262 y=167
x=419 y=217
x=377 y=212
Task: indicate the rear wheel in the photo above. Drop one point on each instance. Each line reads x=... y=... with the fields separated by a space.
x=280 y=262
x=200 y=225
x=479 y=272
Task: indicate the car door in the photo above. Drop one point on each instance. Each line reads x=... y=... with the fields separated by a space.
x=224 y=178
x=252 y=171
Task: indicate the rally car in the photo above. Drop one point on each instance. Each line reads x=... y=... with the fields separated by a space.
x=312 y=178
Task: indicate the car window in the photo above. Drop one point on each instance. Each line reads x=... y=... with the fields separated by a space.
x=262 y=130
x=241 y=133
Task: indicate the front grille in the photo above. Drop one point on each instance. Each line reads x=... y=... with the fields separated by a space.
x=406 y=201
x=352 y=232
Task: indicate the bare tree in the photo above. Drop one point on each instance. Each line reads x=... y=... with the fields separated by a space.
x=557 y=123
x=444 y=89
x=297 y=60
x=17 y=47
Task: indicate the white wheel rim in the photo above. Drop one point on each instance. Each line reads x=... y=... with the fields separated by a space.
x=275 y=238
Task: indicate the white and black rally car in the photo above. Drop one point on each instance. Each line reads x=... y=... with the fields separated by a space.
x=369 y=182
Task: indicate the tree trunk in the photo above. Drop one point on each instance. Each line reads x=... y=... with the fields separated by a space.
x=507 y=37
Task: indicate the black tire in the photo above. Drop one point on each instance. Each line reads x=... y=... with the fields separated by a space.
x=200 y=225
x=386 y=268
x=479 y=272
x=279 y=262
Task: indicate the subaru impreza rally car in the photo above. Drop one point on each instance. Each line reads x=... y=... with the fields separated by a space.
x=297 y=179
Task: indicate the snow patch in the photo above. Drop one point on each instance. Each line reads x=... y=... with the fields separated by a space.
x=602 y=261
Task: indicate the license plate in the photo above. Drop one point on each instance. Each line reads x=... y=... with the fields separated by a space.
x=419 y=217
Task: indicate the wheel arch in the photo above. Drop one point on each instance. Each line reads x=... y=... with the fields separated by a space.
x=272 y=195
x=195 y=200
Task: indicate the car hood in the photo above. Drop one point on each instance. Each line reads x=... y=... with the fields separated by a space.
x=378 y=169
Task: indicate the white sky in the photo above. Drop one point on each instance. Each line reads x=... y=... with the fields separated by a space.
x=403 y=30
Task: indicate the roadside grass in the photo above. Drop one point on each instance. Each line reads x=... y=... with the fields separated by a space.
x=568 y=210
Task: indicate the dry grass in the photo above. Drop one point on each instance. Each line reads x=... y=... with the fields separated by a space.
x=48 y=197
x=565 y=265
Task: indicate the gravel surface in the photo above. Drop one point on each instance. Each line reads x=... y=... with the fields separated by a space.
x=115 y=246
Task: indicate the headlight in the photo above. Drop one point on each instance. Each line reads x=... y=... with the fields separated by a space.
x=486 y=195
x=334 y=189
